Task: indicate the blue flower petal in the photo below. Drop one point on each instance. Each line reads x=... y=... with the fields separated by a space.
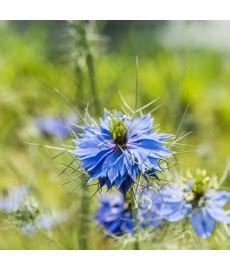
x=91 y=162
x=142 y=125
x=110 y=163
x=114 y=215
x=219 y=198
x=162 y=136
x=150 y=147
x=203 y=224
x=171 y=194
x=176 y=211
x=28 y=229
x=148 y=215
x=97 y=172
x=45 y=222
x=218 y=214
x=104 y=181
x=126 y=185
x=52 y=126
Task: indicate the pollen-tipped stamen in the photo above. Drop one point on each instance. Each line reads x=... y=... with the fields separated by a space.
x=201 y=183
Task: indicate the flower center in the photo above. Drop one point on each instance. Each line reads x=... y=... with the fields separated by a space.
x=196 y=195
x=196 y=199
x=26 y=213
x=200 y=186
x=118 y=131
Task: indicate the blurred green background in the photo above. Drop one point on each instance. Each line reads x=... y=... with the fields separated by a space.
x=184 y=64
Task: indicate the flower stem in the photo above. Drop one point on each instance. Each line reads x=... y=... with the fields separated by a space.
x=92 y=81
x=135 y=213
x=80 y=95
x=91 y=68
x=84 y=223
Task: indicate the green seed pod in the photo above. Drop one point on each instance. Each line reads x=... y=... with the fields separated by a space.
x=118 y=131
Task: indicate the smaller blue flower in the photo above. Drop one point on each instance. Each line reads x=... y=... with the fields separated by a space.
x=115 y=216
x=197 y=201
x=56 y=126
x=52 y=126
x=23 y=211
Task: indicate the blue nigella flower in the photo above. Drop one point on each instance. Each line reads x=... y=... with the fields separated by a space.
x=52 y=126
x=197 y=201
x=23 y=211
x=115 y=215
x=56 y=126
x=120 y=149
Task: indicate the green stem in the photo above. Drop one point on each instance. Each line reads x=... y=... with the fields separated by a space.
x=135 y=213
x=80 y=98
x=84 y=222
x=90 y=66
x=84 y=44
x=92 y=81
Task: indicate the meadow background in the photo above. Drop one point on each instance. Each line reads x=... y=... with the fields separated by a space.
x=184 y=64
